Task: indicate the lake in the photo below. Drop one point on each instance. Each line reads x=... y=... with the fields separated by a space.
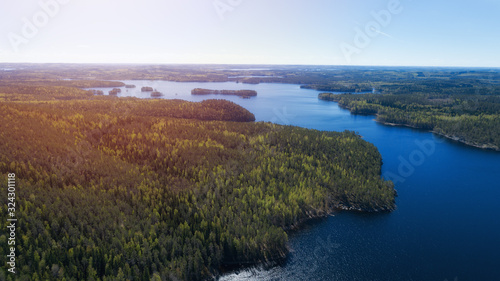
x=447 y=222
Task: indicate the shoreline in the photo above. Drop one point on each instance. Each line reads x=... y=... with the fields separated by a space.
x=450 y=137
x=282 y=256
x=457 y=139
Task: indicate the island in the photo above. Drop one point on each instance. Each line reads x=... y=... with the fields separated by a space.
x=97 y=92
x=156 y=94
x=115 y=91
x=240 y=93
x=146 y=89
x=129 y=86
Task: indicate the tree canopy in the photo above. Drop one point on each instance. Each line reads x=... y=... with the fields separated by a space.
x=122 y=188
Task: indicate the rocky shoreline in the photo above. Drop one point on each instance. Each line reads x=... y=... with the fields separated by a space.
x=488 y=146
x=282 y=255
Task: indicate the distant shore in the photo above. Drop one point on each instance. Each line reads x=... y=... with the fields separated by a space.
x=450 y=137
x=487 y=146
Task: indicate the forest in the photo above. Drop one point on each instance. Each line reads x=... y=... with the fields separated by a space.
x=115 y=188
x=471 y=119
x=395 y=80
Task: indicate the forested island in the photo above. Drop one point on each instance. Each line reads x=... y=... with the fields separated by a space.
x=473 y=120
x=115 y=91
x=97 y=92
x=240 y=93
x=156 y=94
x=122 y=188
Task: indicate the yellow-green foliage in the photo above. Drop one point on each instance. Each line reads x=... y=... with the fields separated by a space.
x=116 y=189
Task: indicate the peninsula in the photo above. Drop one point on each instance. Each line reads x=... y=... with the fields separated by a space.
x=450 y=117
x=170 y=175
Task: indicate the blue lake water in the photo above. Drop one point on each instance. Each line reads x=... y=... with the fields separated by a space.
x=447 y=223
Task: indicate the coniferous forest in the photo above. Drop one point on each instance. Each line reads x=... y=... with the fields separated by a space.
x=127 y=189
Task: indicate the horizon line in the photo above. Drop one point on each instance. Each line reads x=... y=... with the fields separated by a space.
x=249 y=64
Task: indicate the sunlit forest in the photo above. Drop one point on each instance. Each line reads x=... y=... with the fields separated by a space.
x=128 y=189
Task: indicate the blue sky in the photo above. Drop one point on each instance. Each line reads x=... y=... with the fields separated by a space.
x=326 y=32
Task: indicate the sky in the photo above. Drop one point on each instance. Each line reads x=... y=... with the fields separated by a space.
x=317 y=32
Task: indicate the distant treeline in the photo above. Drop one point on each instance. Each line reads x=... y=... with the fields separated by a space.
x=63 y=83
x=326 y=78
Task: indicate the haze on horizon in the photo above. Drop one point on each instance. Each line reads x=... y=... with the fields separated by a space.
x=323 y=32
